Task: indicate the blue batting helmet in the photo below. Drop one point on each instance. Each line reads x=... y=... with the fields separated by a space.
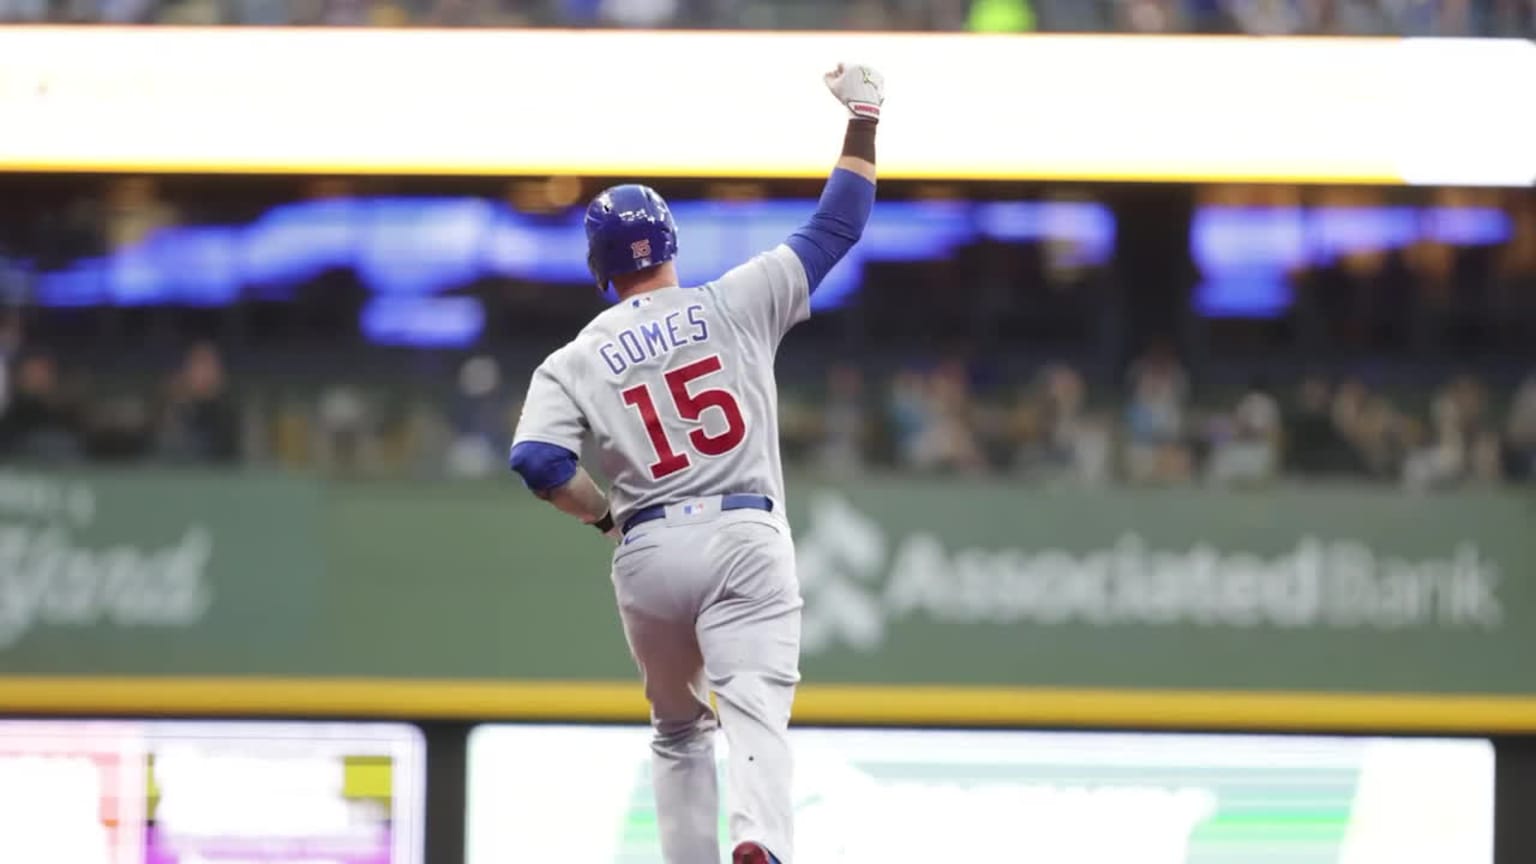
x=629 y=228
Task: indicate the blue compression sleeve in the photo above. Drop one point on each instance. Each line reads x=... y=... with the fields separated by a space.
x=837 y=224
x=543 y=466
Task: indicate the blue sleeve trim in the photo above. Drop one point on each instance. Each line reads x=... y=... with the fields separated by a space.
x=838 y=223
x=543 y=466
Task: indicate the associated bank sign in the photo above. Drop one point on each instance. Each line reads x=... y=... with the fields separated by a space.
x=857 y=577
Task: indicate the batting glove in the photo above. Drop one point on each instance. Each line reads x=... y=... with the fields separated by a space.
x=860 y=88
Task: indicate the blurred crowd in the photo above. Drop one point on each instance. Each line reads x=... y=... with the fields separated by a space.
x=1049 y=426
x=1426 y=349
x=1344 y=17
x=193 y=419
x=1151 y=430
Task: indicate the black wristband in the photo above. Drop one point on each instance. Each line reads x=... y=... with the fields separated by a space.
x=859 y=140
x=605 y=524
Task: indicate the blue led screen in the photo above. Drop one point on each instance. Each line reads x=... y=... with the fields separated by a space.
x=410 y=251
x=1245 y=254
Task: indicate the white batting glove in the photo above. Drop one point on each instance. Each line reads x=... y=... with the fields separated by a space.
x=860 y=88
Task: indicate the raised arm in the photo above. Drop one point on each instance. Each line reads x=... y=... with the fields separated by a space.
x=861 y=89
x=849 y=195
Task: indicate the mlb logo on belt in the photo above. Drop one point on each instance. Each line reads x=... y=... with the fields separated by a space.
x=692 y=509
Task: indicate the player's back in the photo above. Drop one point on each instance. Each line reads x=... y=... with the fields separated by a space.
x=676 y=386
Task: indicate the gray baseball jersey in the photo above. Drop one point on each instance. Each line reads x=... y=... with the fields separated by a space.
x=676 y=387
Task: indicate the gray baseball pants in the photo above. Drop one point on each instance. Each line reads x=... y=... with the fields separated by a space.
x=711 y=604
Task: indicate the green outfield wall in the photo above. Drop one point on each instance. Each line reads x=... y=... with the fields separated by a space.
x=925 y=601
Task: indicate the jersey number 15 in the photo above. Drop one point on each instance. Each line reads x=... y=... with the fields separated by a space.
x=689 y=407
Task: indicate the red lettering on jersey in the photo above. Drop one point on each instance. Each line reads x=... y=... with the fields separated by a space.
x=690 y=407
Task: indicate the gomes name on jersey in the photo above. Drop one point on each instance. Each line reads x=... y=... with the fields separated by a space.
x=655 y=338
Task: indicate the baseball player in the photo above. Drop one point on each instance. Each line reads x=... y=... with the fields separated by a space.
x=675 y=387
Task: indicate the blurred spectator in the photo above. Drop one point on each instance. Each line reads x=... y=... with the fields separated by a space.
x=1478 y=429
x=118 y=428
x=1056 y=436
x=1311 y=17
x=190 y=13
x=1266 y=17
x=1249 y=451
x=458 y=13
x=345 y=432
x=1513 y=17
x=201 y=423
x=1343 y=17
x=1378 y=435
x=1520 y=434
x=1313 y=443
x=952 y=444
x=800 y=424
x=125 y=11
x=39 y=423
x=1158 y=451
x=260 y=13
x=934 y=14
x=1424 y=17
x=866 y=15
x=579 y=12
x=481 y=420
x=10 y=343
x=350 y=13
x=1456 y=18
x=1444 y=460
x=1074 y=16
x=844 y=433
x=1346 y=410
x=426 y=436
x=1385 y=435
x=293 y=436
x=1150 y=16
x=1464 y=444
x=639 y=13
x=20 y=11
x=934 y=416
x=907 y=414
x=306 y=13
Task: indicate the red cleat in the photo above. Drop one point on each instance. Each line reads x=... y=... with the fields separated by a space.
x=751 y=853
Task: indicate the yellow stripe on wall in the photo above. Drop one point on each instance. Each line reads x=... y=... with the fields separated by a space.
x=598 y=701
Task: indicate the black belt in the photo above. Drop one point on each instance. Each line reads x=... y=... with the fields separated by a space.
x=727 y=502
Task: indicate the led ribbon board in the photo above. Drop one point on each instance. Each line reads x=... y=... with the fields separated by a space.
x=402 y=249
x=1382 y=111
x=583 y=794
